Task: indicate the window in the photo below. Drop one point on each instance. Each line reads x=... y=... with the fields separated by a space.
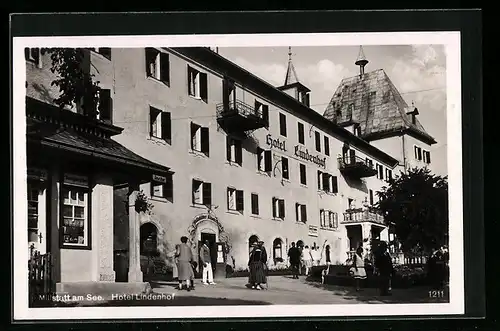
x=427 y=157
x=357 y=130
x=301 y=213
x=262 y=110
x=283 y=125
x=234 y=151
x=369 y=163
x=317 y=137
x=303 y=174
x=105 y=105
x=160 y=124
x=328 y=219
x=197 y=84
x=264 y=160
x=234 y=199
x=33 y=212
x=327 y=182
x=104 y=51
x=300 y=130
x=304 y=98
x=388 y=174
x=327 y=146
x=163 y=187
x=33 y=55
x=202 y=193
x=380 y=171
x=255 y=204
x=158 y=65
x=277 y=252
x=371 y=197
x=75 y=213
x=418 y=153
x=285 y=171
x=278 y=208
x=200 y=139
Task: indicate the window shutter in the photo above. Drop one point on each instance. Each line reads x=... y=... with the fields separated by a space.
x=165 y=68
x=320 y=176
x=274 y=207
x=265 y=114
x=168 y=192
x=326 y=182
x=239 y=201
x=228 y=198
x=255 y=204
x=193 y=190
x=190 y=77
x=284 y=167
x=428 y=157
x=166 y=126
x=415 y=152
x=105 y=108
x=281 y=205
x=335 y=188
x=150 y=53
x=152 y=117
x=239 y=152
x=268 y=159
x=26 y=53
x=207 y=194
x=203 y=87
x=193 y=134
x=327 y=146
x=303 y=212
x=317 y=137
x=300 y=129
x=205 y=142
x=228 y=148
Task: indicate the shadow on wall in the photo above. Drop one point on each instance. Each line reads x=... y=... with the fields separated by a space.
x=359 y=184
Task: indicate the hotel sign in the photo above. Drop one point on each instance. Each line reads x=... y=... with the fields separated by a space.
x=304 y=154
x=313 y=230
x=276 y=143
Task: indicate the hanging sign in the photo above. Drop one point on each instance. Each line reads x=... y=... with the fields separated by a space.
x=159 y=179
x=313 y=230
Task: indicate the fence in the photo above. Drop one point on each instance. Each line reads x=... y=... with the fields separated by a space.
x=40 y=272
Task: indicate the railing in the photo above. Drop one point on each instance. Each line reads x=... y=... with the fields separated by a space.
x=353 y=160
x=401 y=259
x=363 y=215
x=238 y=107
x=40 y=277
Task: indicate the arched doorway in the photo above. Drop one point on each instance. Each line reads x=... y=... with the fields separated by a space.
x=148 y=239
x=277 y=250
x=251 y=240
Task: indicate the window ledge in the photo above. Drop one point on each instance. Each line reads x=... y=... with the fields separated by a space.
x=199 y=206
x=278 y=219
x=159 y=199
x=159 y=141
x=159 y=81
x=197 y=153
x=255 y=216
x=234 y=212
x=194 y=97
x=301 y=223
x=264 y=173
x=303 y=185
x=233 y=164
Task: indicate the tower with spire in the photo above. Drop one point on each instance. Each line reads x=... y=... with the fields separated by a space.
x=292 y=85
x=361 y=61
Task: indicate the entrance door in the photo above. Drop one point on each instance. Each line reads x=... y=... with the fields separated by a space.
x=210 y=237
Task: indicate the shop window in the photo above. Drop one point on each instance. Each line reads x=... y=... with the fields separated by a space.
x=75 y=211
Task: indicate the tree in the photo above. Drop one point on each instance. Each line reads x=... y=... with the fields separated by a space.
x=416 y=205
x=75 y=82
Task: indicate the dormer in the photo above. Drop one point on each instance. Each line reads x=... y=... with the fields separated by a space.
x=413 y=112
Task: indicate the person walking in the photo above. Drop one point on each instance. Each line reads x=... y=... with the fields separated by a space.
x=383 y=264
x=256 y=265
x=358 y=268
x=294 y=258
x=185 y=269
x=206 y=258
x=306 y=259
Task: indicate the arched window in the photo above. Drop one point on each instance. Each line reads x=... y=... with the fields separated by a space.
x=277 y=250
x=251 y=240
x=149 y=239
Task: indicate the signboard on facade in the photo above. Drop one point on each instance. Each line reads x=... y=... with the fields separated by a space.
x=77 y=180
x=313 y=230
x=160 y=179
x=37 y=173
x=276 y=143
x=304 y=154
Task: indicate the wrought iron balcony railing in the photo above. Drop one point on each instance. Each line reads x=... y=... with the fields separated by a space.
x=363 y=215
x=355 y=166
x=237 y=107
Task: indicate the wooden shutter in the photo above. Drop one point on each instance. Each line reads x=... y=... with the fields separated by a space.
x=207 y=194
x=307 y=99
x=297 y=212
x=168 y=191
x=371 y=197
x=203 y=86
x=239 y=152
x=281 y=206
x=152 y=117
x=274 y=208
x=335 y=187
x=268 y=159
x=239 y=201
x=165 y=68
x=166 y=126
x=194 y=127
x=317 y=137
x=190 y=77
x=228 y=195
x=327 y=146
x=105 y=108
x=205 y=141
x=193 y=189
x=303 y=213
x=228 y=148
x=285 y=168
x=150 y=57
x=255 y=204
x=320 y=178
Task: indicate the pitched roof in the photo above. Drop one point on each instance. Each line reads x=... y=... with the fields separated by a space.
x=291 y=74
x=376 y=105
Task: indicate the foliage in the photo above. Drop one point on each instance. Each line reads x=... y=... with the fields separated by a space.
x=75 y=82
x=142 y=203
x=416 y=206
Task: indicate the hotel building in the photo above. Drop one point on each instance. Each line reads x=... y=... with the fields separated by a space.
x=223 y=156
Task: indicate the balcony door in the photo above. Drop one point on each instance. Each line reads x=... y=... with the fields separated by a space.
x=228 y=93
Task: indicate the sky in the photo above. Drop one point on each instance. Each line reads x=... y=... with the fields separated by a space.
x=417 y=71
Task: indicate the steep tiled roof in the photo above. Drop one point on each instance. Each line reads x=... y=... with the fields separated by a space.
x=291 y=75
x=374 y=102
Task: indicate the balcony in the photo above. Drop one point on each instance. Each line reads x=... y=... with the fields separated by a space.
x=237 y=116
x=363 y=215
x=354 y=166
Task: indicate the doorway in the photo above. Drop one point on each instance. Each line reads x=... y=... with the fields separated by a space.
x=211 y=238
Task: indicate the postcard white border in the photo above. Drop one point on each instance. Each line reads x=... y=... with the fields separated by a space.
x=451 y=40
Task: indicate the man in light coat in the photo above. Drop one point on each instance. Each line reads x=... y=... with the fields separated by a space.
x=207 y=276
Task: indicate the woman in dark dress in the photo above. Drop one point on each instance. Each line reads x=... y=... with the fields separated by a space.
x=257 y=264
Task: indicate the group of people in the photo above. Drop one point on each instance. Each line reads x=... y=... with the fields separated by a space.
x=383 y=268
x=303 y=257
